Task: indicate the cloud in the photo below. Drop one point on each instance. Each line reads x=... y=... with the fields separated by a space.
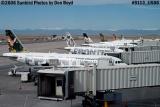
x=101 y=2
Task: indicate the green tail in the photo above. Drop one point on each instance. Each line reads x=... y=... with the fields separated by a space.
x=14 y=43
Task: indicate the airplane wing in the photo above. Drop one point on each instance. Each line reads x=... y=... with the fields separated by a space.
x=9 y=57
x=85 y=44
x=67 y=48
x=60 y=48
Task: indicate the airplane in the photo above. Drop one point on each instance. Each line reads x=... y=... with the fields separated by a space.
x=18 y=53
x=90 y=50
x=120 y=44
x=69 y=39
x=102 y=37
x=122 y=41
x=87 y=39
x=62 y=60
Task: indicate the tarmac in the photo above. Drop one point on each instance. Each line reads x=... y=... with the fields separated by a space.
x=14 y=93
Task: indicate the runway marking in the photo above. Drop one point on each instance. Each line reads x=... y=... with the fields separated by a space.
x=25 y=101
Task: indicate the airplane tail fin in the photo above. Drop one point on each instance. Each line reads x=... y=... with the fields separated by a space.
x=14 y=44
x=122 y=37
x=101 y=37
x=87 y=39
x=114 y=37
x=69 y=39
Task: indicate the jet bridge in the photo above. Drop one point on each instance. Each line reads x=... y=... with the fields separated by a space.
x=68 y=83
x=50 y=84
x=141 y=57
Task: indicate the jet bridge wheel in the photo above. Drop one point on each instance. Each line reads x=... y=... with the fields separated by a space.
x=89 y=102
x=86 y=103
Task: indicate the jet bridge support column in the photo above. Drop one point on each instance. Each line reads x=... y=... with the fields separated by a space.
x=94 y=80
x=130 y=57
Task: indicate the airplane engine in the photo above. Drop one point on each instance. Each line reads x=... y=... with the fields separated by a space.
x=29 y=61
x=36 y=61
x=21 y=59
x=73 y=51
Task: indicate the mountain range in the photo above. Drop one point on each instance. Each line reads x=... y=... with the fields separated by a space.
x=44 y=32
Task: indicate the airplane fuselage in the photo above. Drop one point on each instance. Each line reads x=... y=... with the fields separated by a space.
x=59 y=59
x=92 y=50
x=113 y=44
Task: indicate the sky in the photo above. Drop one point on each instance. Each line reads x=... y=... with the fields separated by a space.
x=83 y=14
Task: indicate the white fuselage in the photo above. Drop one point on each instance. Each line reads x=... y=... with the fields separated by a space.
x=113 y=44
x=92 y=50
x=63 y=60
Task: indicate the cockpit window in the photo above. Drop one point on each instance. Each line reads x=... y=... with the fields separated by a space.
x=119 y=61
x=134 y=43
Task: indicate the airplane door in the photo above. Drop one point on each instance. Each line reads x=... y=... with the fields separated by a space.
x=59 y=84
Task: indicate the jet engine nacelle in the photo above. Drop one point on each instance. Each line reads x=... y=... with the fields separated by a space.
x=30 y=61
x=36 y=61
